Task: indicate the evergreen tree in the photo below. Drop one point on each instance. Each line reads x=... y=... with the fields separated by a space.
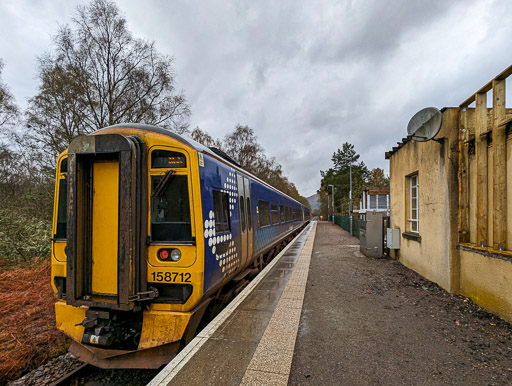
x=339 y=177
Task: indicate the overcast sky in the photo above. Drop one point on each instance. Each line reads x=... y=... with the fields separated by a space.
x=307 y=76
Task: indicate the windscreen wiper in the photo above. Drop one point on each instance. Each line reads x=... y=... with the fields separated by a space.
x=160 y=188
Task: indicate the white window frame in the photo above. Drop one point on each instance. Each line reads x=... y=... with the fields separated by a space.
x=414 y=224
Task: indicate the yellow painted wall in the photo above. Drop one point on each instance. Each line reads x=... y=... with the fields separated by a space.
x=486 y=280
x=432 y=257
x=509 y=192
x=490 y=202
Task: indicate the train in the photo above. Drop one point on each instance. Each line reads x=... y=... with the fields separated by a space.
x=152 y=234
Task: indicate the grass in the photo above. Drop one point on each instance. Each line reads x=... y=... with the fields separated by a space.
x=28 y=335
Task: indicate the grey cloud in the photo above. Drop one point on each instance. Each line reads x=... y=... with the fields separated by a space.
x=306 y=76
x=370 y=30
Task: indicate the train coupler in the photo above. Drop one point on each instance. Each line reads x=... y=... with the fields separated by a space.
x=111 y=329
x=145 y=296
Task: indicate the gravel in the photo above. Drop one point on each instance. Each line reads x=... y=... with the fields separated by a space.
x=50 y=371
x=374 y=321
x=55 y=368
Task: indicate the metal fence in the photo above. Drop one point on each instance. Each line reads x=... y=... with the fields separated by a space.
x=344 y=222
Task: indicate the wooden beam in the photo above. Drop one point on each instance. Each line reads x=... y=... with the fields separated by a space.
x=502 y=76
x=463 y=179
x=500 y=163
x=481 y=161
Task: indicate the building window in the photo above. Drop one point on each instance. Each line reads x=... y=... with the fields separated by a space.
x=413 y=204
x=382 y=201
x=373 y=202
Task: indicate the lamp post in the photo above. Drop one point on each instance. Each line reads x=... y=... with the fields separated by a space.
x=332 y=190
x=327 y=206
x=350 y=200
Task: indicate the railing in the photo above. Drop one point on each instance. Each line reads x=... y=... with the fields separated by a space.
x=344 y=222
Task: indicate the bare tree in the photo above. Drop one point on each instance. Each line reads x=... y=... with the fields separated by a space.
x=205 y=139
x=8 y=109
x=100 y=75
x=242 y=145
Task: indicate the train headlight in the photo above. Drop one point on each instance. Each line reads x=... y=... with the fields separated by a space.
x=175 y=254
x=169 y=254
x=163 y=254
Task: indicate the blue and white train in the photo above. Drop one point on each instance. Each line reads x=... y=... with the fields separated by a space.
x=152 y=233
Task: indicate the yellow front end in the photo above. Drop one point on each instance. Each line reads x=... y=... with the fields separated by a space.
x=178 y=281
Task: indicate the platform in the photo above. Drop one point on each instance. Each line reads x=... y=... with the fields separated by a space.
x=330 y=316
x=251 y=342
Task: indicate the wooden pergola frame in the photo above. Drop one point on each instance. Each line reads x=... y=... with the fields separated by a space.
x=475 y=134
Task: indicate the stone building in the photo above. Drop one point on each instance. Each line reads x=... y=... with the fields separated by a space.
x=451 y=199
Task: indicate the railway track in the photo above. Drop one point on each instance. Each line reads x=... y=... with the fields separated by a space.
x=87 y=373
x=67 y=378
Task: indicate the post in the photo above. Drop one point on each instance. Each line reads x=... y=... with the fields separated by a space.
x=482 y=238
x=327 y=205
x=499 y=144
x=350 y=200
x=463 y=176
x=332 y=190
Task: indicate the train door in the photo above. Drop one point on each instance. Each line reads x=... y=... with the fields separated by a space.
x=104 y=235
x=106 y=217
x=244 y=201
x=247 y=191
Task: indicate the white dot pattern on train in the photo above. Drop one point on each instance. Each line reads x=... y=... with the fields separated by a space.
x=228 y=260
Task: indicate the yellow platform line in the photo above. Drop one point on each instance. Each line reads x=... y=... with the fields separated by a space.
x=272 y=360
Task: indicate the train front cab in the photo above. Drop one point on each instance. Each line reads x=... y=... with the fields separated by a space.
x=127 y=266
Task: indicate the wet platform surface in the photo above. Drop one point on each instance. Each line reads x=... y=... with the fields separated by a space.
x=331 y=316
x=252 y=340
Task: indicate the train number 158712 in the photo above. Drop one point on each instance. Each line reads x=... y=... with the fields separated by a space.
x=171 y=277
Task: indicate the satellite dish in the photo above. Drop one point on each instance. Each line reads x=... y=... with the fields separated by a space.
x=425 y=124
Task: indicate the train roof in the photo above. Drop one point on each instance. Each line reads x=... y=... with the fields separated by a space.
x=214 y=152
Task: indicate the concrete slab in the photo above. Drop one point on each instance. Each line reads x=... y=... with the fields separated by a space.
x=218 y=362
x=260 y=378
x=245 y=325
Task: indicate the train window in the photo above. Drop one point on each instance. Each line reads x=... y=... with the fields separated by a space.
x=64 y=165
x=241 y=204
x=281 y=213
x=170 y=209
x=287 y=213
x=62 y=212
x=165 y=159
x=249 y=214
x=221 y=210
x=264 y=213
x=274 y=214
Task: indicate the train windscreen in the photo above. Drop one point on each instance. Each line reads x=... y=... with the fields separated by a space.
x=170 y=209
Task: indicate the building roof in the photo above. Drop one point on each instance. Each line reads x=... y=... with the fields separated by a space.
x=372 y=190
x=388 y=154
